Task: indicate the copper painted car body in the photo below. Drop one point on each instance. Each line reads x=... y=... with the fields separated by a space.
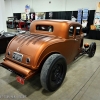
x=39 y=44
x=35 y=47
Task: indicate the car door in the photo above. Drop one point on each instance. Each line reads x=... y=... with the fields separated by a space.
x=75 y=40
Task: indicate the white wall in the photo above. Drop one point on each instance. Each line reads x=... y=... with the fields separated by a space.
x=18 y=6
x=76 y=4
x=2 y=16
x=44 y=5
x=8 y=8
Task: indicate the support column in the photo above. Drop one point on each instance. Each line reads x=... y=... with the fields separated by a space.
x=2 y=16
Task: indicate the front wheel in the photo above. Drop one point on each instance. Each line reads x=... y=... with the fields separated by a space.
x=92 y=49
x=53 y=72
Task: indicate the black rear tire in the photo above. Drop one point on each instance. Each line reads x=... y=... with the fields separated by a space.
x=92 y=49
x=53 y=72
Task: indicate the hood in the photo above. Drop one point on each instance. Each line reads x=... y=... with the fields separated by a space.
x=27 y=45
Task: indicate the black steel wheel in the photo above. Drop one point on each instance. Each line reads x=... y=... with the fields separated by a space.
x=53 y=72
x=92 y=49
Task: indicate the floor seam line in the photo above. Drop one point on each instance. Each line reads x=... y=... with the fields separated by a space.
x=85 y=83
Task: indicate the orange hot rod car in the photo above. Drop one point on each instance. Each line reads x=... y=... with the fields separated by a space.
x=50 y=47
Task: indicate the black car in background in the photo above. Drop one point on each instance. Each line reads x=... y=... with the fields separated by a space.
x=5 y=38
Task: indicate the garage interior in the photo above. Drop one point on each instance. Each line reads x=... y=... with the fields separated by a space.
x=83 y=75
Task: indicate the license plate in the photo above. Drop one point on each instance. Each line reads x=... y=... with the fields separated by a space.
x=17 y=56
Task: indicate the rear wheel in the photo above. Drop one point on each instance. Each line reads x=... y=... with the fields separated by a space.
x=53 y=72
x=92 y=49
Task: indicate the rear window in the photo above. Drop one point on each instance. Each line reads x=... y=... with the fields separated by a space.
x=48 y=28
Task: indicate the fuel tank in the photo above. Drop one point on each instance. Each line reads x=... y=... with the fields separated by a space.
x=27 y=48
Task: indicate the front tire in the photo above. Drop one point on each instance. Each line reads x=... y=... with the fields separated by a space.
x=92 y=49
x=53 y=72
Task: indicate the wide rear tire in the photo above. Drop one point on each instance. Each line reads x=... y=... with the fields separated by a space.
x=53 y=72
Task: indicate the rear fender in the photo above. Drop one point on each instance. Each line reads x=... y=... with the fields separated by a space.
x=41 y=60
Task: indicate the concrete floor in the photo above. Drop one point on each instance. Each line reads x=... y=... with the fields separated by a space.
x=82 y=82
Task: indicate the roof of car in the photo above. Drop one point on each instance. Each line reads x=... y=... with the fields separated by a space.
x=59 y=20
x=59 y=26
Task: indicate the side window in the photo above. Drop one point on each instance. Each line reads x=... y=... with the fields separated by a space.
x=78 y=30
x=71 y=30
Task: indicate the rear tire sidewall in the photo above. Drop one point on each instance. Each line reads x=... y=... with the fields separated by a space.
x=47 y=70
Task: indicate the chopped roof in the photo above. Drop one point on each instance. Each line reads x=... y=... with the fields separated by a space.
x=59 y=20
